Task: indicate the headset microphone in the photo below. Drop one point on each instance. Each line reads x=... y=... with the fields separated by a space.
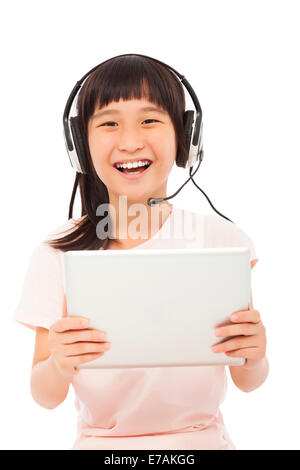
x=152 y=201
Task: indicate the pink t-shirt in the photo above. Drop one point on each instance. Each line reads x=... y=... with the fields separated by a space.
x=143 y=408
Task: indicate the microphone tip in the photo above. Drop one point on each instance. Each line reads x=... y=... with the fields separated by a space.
x=151 y=202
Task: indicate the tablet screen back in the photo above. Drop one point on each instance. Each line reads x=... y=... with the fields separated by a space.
x=158 y=307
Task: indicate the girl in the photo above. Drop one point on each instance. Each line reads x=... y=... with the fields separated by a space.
x=130 y=111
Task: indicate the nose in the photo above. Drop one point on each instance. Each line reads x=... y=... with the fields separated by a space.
x=130 y=141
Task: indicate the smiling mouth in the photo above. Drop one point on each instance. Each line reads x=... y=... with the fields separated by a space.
x=134 y=171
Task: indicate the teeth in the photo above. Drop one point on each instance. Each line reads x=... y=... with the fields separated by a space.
x=132 y=165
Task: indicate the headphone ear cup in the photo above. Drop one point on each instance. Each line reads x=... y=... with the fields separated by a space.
x=188 y=119
x=79 y=143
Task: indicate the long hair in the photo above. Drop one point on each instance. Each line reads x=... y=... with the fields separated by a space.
x=129 y=77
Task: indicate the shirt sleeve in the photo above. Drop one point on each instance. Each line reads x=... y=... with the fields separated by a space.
x=42 y=294
x=220 y=232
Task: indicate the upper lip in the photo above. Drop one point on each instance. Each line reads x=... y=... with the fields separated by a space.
x=132 y=161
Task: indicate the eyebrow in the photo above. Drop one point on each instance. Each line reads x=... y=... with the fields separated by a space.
x=116 y=111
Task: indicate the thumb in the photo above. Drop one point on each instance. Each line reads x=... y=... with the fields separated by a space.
x=65 y=311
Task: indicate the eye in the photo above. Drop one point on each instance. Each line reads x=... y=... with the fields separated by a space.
x=150 y=120
x=109 y=122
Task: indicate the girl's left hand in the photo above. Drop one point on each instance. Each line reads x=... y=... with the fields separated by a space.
x=249 y=337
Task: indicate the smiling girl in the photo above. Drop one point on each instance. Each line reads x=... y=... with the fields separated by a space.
x=130 y=112
x=138 y=141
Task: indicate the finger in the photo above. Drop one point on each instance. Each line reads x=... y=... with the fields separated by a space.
x=237 y=329
x=73 y=361
x=87 y=335
x=76 y=349
x=85 y=358
x=70 y=323
x=235 y=343
x=65 y=312
x=251 y=316
x=251 y=353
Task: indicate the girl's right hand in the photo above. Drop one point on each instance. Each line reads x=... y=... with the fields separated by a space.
x=72 y=342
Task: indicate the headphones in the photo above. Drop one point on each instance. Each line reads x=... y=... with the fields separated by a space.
x=193 y=130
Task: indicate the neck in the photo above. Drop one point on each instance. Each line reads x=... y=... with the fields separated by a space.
x=136 y=222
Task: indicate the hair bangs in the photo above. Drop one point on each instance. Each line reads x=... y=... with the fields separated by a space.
x=131 y=78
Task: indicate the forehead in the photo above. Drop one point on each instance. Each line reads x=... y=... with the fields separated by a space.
x=128 y=106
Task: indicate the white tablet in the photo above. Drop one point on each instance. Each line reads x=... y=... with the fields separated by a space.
x=159 y=307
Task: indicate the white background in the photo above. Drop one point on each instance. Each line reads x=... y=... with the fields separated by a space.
x=242 y=59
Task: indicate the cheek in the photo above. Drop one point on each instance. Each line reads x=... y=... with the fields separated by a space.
x=98 y=152
x=93 y=148
x=164 y=144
